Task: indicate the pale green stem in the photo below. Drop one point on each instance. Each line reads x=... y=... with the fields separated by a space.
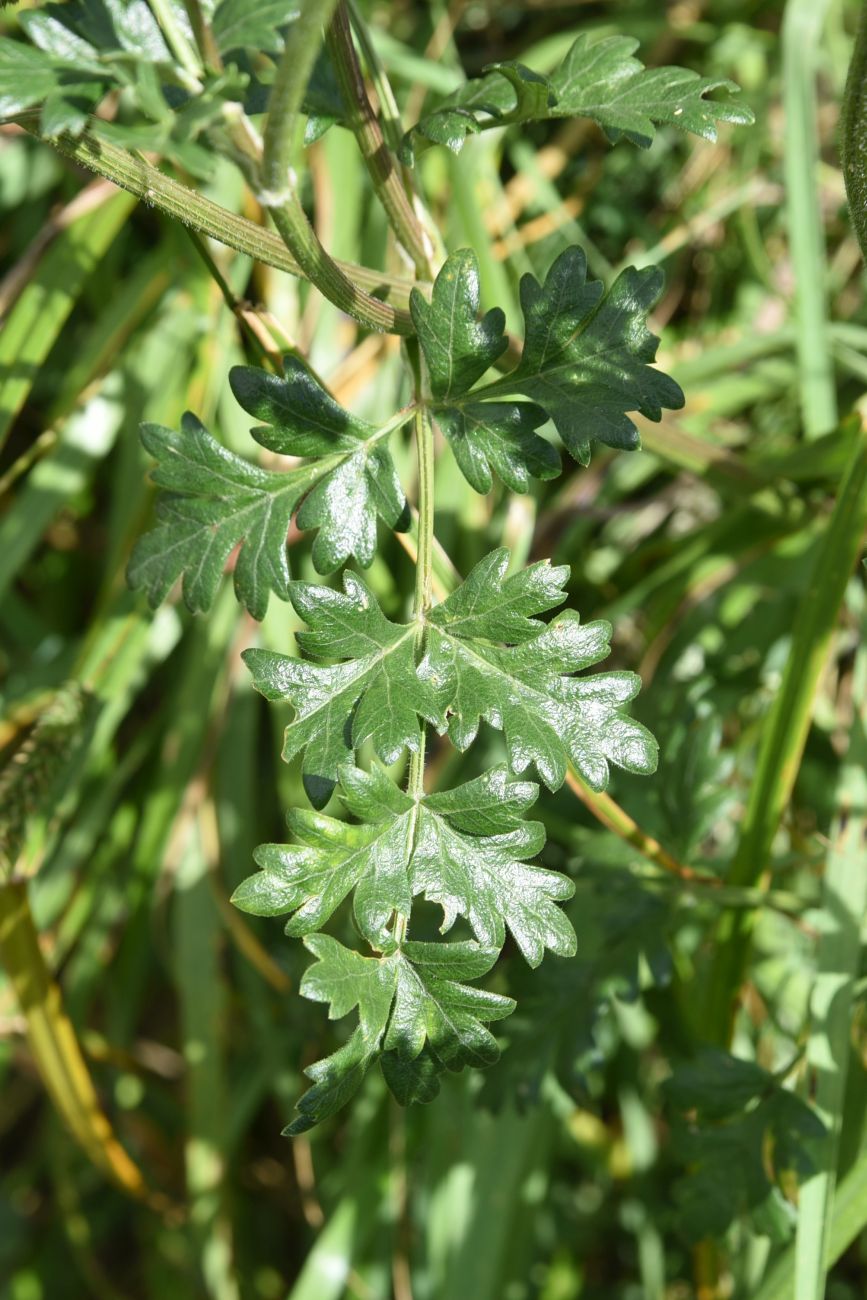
x=133 y=173
x=279 y=192
x=205 y=41
x=392 y=125
x=423 y=595
x=177 y=41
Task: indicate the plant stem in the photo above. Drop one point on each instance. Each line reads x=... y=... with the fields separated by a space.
x=177 y=41
x=392 y=125
x=382 y=166
x=205 y=41
x=423 y=594
x=279 y=194
x=853 y=137
x=133 y=173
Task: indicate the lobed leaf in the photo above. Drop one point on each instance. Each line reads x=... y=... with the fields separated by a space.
x=586 y=362
x=598 y=79
x=525 y=689
x=410 y=849
x=218 y=500
x=375 y=693
x=414 y=1016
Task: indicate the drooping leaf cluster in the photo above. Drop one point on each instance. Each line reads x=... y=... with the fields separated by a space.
x=485 y=654
x=489 y=652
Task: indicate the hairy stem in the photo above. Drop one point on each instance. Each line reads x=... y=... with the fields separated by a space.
x=133 y=173
x=382 y=166
x=279 y=194
x=392 y=126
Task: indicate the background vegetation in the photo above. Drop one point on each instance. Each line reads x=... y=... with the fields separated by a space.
x=602 y=1157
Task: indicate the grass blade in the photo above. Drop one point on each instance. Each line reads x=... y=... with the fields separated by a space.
x=802 y=26
x=40 y=312
x=785 y=731
x=844 y=903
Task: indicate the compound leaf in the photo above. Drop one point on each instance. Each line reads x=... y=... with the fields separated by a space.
x=302 y=419
x=598 y=79
x=587 y=362
x=485 y=436
x=525 y=688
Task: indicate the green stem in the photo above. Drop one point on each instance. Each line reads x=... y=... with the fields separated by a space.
x=381 y=163
x=392 y=125
x=132 y=173
x=844 y=901
x=279 y=195
x=424 y=566
x=205 y=41
x=423 y=594
x=177 y=41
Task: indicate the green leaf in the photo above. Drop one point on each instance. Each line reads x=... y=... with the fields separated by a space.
x=431 y=1008
x=436 y=847
x=587 y=362
x=413 y=1014
x=525 y=689
x=485 y=878
x=742 y=1132
x=302 y=419
x=373 y=693
x=31 y=76
x=345 y=980
x=218 y=500
x=215 y=502
x=459 y=348
x=598 y=79
x=251 y=24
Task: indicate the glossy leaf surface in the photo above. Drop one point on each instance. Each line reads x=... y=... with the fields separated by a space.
x=599 y=79
x=586 y=363
x=217 y=500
